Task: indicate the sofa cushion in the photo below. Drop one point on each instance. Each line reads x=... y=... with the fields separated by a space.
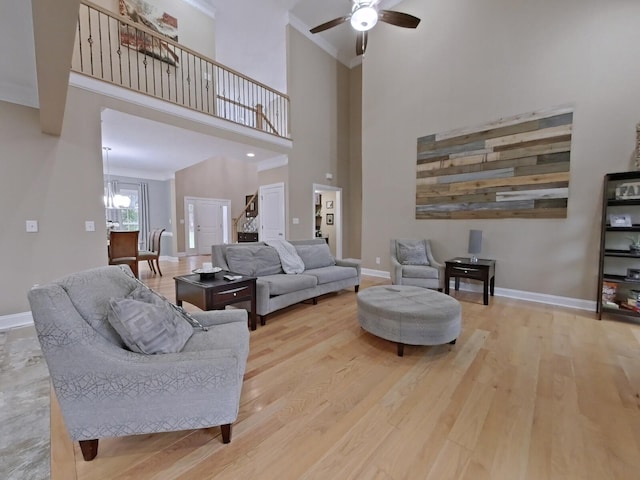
x=282 y=283
x=148 y=328
x=412 y=252
x=254 y=260
x=332 y=273
x=315 y=256
x=419 y=271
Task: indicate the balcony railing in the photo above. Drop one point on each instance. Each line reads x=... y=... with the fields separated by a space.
x=109 y=47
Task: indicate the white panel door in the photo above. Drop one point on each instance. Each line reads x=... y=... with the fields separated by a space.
x=272 y=221
x=209 y=224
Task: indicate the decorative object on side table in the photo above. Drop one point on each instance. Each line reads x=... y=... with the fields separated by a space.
x=475 y=244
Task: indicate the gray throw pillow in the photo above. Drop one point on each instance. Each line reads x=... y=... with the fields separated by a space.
x=254 y=260
x=412 y=252
x=315 y=256
x=148 y=328
x=145 y=294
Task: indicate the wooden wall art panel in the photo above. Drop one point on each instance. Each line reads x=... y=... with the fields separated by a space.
x=517 y=167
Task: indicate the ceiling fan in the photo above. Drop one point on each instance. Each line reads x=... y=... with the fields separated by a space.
x=363 y=17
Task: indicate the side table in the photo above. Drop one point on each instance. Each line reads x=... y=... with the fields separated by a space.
x=216 y=293
x=463 y=267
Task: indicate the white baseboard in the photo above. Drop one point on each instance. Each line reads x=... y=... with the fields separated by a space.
x=15 y=320
x=167 y=258
x=375 y=273
x=568 y=302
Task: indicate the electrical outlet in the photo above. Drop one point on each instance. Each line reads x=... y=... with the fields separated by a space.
x=296 y=220
x=377 y=260
x=90 y=226
x=32 y=226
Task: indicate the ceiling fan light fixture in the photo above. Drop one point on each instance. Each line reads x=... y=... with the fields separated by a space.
x=364 y=18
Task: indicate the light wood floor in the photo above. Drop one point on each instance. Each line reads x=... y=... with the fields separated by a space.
x=528 y=392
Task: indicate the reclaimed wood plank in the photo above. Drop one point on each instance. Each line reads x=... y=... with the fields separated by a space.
x=540 y=134
x=513 y=120
x=539 y=179
x=478 y=206
x=479 y=175
x=477 y=167
x=542 y=193
x=544 y=168
x=466 y=198
x=494 y=214
x=436 y=190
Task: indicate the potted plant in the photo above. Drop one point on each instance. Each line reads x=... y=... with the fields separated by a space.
x=634 y=246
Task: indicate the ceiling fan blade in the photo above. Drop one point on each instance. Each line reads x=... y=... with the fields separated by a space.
x=361 y=42
x=398 y=19
x=330 y=24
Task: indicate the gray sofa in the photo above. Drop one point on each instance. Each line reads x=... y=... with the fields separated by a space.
x=276 y=289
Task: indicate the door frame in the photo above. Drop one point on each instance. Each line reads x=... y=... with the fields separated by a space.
x=337 y=220
x=189 y=199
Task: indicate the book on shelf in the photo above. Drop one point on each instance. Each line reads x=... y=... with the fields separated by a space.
x=609 y=291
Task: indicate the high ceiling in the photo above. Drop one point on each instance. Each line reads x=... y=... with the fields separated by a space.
x=18 y=79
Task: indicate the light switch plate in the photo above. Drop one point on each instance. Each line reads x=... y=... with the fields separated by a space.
x=32 y=226
x=90 y=226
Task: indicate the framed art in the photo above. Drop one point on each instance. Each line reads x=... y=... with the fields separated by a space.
x=329 y=204
x=620 y=220
x=329 y=218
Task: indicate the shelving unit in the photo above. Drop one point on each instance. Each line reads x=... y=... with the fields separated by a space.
x=617 y=277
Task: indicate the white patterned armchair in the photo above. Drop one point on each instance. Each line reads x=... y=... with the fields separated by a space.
x=412 y=263
x=106 y=390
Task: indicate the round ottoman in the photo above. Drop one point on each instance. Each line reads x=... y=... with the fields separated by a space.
x=409 y=315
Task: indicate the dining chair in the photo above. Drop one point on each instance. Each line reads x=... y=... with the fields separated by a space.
x=123 y=249
x=153 y=250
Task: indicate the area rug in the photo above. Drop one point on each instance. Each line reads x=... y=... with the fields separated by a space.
x=24 y=407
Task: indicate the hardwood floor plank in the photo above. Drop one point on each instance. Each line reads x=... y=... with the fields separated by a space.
x=529 y=391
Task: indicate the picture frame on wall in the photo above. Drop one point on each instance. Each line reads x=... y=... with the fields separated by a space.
x=329 y=218
x=329 y=204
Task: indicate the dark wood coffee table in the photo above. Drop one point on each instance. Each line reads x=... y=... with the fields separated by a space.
x=216 y=293
x=463 y=267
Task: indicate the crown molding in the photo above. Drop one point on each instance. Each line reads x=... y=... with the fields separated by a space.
x=303 y=28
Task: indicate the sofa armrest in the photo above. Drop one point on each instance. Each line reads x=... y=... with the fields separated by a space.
x=220 y=317
x=396 y=271
x=347 y=263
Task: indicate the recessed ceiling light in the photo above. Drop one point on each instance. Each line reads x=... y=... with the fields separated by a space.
x=251 y=154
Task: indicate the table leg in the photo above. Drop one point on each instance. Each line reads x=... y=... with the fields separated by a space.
x=485 y=290
x=253 y=315
x=446 y=282
x=493 y=284
x=457 y=283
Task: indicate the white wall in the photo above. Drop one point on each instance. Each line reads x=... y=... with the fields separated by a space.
x=471 y=62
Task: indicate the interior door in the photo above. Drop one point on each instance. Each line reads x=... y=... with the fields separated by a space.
x=272 y=215
x=208 y=225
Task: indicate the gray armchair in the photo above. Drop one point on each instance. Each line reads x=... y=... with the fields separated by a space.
x=412 y=263
x=106 y=390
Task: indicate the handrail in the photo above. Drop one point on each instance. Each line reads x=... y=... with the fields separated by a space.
x=112 y=48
